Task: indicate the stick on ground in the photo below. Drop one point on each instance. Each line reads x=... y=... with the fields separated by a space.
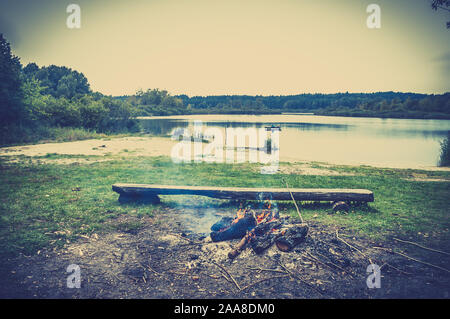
x=423 y=247
x=295 y=203
x=353 y=247
x=413 y=259
x=228 y=274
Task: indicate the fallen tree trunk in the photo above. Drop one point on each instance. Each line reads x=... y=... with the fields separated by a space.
x=130 y=191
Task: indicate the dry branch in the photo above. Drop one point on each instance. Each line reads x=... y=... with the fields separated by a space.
x=325 y=263
x=353 y=247
x=259 y=281
x=295 y=203
x=423 y=247
x=228 y=274
x=413 y=259
x=296 y=276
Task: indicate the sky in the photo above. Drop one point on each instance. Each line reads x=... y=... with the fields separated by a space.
x=254 y=47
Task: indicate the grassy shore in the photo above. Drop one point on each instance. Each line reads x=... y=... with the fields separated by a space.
x=50 y=205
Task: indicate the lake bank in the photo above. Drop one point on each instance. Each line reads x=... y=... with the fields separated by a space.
x=155 y=146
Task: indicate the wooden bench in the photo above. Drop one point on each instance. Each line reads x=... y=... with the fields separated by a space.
x=149 y=193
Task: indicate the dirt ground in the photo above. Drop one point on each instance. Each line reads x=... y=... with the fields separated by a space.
x=165 y=259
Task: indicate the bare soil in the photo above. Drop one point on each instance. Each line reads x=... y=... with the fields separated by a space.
x=164 y=259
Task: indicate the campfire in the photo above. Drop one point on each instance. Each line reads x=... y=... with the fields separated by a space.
x=260 y=229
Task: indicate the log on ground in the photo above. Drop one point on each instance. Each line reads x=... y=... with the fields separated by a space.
x=302 y=194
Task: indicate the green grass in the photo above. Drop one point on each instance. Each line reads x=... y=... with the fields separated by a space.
x=42 y=134
x=48 y=205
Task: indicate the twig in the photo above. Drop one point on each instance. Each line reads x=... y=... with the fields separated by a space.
x=229 y=275
x=115 y=276
x=295 y=276
x=353 y=247
x=149 y=268
x=265 y=269
x=413 y=259
x=399 y=270
x=423 y=247
x=310 y=257
x=259 y=281
x=188 y=239
x=329 y=261
x=177 y=273
x=295 y=203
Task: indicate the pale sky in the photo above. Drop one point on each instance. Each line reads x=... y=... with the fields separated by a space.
x=211 y=47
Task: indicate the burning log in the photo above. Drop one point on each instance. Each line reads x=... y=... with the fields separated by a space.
x=222 y=224
x=260 y=243
x=238 y=227
x=291 y=236
x=265 y=235
x=239 y=247
x=261 y=230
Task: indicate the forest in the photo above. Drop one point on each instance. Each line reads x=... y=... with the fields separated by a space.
x=381 y=104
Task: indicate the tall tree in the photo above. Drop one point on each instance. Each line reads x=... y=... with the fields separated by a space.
x=10 y=85
x=59 y=81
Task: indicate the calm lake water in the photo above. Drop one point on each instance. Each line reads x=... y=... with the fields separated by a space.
x=341 y=140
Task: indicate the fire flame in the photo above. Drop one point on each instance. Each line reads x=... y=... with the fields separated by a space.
x=265 y=215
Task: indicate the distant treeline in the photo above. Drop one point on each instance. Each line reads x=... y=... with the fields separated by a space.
x=381 y=104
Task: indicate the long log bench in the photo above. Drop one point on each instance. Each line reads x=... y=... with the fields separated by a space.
x=149 y=193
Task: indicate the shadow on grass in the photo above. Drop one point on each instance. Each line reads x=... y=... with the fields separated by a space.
x=193 y=202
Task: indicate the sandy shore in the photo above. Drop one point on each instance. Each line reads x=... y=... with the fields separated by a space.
x=155 y=146
x=133 y=146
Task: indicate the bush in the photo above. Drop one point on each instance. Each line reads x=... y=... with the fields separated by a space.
x=445 y=151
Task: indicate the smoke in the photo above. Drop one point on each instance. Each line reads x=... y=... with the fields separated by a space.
x=197 y=213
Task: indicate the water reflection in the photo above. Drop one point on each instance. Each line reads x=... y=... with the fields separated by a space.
x=162 y=127
x=346 y=140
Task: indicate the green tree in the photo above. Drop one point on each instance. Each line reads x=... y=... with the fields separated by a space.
x=441 y=5
x=11 y=108
x=59 y=81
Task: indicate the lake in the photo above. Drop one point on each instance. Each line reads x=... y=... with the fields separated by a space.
x=340 y=140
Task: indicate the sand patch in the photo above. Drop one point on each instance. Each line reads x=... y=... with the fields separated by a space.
x=126 y=146
x=307 y=169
